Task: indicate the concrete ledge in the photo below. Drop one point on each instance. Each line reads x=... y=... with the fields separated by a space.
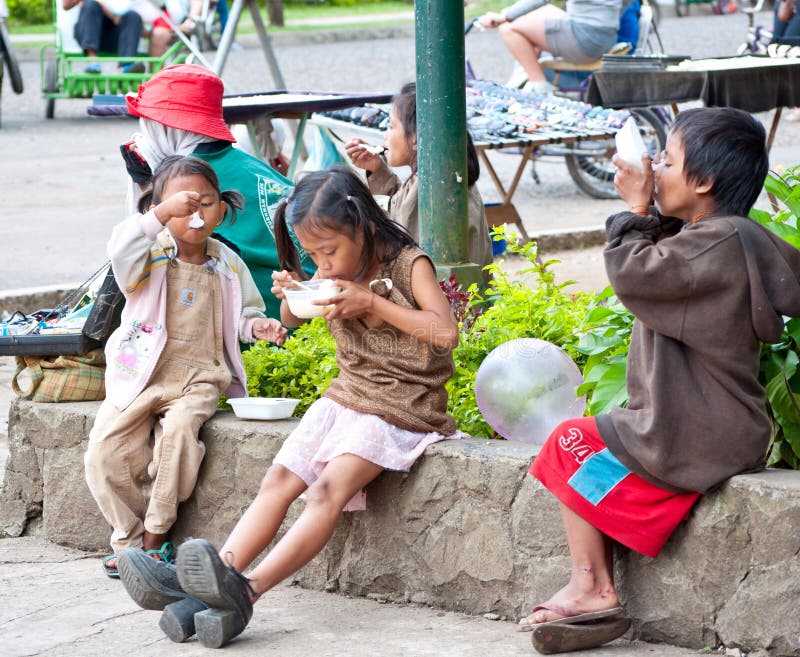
x=466 y=530
x=565 y=239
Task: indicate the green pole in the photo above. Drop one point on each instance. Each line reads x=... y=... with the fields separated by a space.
x=442 y=138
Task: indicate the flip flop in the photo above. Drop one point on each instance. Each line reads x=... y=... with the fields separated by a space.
x=111 y=571
x=568 y=620
x=555 y=637
x=166 y=552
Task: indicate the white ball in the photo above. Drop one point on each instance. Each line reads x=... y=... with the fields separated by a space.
x=525 y=387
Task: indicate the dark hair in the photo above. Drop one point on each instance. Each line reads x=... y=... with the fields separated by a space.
x=405 y=106
x=186 y=165
x=337 y=200
x=726 y=147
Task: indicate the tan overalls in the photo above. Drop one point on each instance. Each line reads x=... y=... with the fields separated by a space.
x=124 y=465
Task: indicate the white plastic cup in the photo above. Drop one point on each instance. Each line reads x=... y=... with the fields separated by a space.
x=630 y=146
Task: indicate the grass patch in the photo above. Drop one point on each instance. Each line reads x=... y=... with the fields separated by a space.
x=301 y=11
x=294 y=12
x=31 y=29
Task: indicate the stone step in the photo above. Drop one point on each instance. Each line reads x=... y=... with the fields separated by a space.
x=467 y=530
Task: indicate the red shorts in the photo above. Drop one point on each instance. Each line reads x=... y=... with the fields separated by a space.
x=577 y=467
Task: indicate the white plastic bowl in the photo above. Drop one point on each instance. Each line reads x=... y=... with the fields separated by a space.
x=299 y=300
x=263 y=408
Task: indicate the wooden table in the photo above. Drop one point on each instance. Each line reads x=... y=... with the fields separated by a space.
x=249 y=108
x=750 y=83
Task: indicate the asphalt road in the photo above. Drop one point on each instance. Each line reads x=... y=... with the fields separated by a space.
x=63 y=182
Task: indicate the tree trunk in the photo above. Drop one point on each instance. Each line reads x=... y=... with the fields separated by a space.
x=275 y=12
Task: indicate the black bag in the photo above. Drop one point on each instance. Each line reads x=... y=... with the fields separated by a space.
x=102 y=292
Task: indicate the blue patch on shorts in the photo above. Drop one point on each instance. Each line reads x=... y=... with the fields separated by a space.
x=598 y=476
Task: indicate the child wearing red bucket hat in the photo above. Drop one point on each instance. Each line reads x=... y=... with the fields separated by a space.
x=180 y=113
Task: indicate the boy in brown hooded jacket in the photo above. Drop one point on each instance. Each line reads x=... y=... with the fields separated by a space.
x=706 y=285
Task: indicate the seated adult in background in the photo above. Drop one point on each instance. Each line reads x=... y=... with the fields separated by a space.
x=107 y=26
x=183 y=14
x=787 y=23
x=786 y=31
x=180 y=113
x=581 y=34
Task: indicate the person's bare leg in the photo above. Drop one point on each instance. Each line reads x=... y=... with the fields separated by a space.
x=153 y=542
x=259 y=524
x=525 y=39
x=342 y=478
x=591 y=585
x=160 y=38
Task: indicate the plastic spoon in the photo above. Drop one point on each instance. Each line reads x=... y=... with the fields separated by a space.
x=306 y=287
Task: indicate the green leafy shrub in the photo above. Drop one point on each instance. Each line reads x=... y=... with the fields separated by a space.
x=302 y=368
x=779 y=362
x=605 y=337
x=513 y=309
x=30 y=12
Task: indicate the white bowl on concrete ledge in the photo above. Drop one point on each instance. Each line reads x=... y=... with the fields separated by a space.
x=263 y=408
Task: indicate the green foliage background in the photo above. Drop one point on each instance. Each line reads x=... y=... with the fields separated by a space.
x=30 y=12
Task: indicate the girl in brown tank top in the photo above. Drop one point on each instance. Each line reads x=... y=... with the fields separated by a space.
x=394 y=336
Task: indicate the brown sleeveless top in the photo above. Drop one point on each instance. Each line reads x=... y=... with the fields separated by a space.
x=386 y=372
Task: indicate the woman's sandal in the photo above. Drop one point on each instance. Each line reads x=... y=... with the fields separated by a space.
x=111 y=571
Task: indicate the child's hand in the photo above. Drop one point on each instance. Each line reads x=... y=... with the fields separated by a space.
x=353 y=301
x=633 y=185
x=180 y=204
x=492 y=19
x=359 y=155
x=269 y=329
x=282 y=279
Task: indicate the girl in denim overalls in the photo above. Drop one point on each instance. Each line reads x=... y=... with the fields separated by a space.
x=189 y=301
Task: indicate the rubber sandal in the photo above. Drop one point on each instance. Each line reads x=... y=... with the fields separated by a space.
x=111 y=571
x=93 y=68
x=568 y=620
x=166 y=552
x=551 y=638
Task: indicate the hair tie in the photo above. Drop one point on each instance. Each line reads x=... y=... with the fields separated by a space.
x=287 y=210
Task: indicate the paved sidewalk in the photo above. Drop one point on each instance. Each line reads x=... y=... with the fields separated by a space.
x=57 y=603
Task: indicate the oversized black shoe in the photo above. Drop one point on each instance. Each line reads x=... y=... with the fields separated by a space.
x=154 y=585
x=554 y=637
x=224 y=589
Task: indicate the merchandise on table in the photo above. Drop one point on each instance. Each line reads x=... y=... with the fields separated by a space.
x=496 y=112
x=79 y=323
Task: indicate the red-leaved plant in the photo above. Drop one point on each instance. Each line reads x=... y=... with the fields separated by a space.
x=460 y=302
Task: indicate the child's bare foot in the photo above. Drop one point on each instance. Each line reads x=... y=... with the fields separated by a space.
x=570 y=603
x=153 y=544
x=109 y=564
